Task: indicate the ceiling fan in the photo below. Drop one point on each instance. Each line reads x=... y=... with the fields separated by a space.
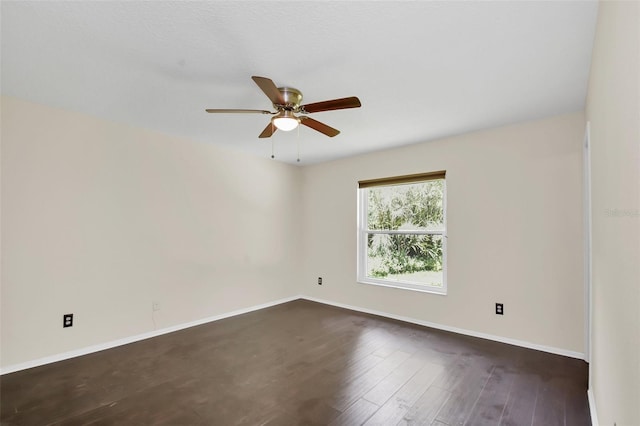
x=286 y=102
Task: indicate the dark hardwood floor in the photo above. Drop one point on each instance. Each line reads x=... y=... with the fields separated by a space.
x=303 y=363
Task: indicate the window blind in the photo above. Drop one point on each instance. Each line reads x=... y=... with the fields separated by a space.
x=397 y=180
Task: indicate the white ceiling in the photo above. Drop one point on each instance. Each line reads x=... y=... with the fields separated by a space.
x=422 y=70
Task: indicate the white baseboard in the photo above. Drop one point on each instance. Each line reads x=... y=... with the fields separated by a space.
x=108 y=345
x=500 y=339
x=592 y=407
x=112 y=344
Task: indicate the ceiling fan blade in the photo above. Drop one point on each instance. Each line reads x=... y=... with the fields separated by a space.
x=320 y=127
x=269 y=88
x=268 y=131
x=342 y=103
x=241 y=111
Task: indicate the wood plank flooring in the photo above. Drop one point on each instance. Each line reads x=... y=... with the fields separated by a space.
x=303 y=363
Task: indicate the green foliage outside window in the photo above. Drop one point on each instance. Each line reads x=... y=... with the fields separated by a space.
x=408 y=207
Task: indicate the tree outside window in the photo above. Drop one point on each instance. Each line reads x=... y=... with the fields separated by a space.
x=402 y=234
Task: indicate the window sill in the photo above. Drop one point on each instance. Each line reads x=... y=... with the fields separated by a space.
x=404 y=286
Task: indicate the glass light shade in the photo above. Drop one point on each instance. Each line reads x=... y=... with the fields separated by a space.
x=285 y=121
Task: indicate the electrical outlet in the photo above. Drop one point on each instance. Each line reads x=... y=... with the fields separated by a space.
x=67 y=320
x=155 y=306
x=319 y=280
x=499 y=309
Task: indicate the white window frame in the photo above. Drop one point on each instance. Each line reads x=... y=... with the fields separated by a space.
x=363 y=231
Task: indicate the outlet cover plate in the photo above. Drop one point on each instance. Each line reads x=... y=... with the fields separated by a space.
x=67 y=320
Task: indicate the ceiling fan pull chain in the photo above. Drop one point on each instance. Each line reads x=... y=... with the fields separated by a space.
x=272 y=156
x=298 y=143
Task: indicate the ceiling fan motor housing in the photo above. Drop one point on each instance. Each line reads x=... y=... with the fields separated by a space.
x=292 y=99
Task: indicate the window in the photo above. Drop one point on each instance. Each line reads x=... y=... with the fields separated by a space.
x=402 y=235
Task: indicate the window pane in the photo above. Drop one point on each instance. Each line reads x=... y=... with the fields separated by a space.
x=410 y=258
x=416 y=206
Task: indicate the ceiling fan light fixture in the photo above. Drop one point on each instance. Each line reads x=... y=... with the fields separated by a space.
x=286 y=121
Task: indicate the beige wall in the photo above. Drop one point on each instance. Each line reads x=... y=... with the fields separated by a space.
x=514 y=225
x=613 y=109
x=100 y=219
